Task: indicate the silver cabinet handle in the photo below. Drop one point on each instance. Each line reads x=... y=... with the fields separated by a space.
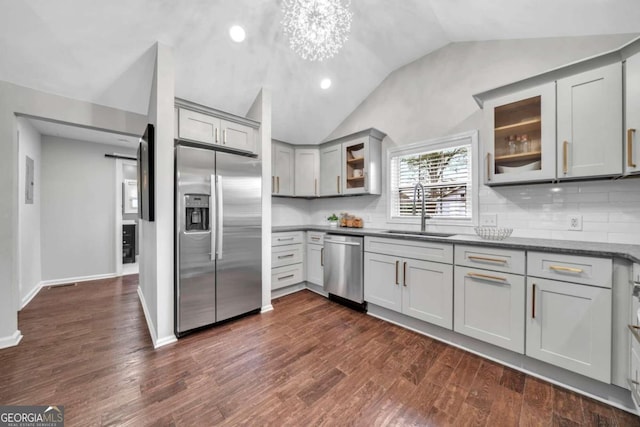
x=285 y=256
x=321 y=257
x=341 y=243
x=216 y=141
x=533 y=302
x=397 y=263
x=224 y=136
x=284 y=239
x=285 y=277
x=404 y=274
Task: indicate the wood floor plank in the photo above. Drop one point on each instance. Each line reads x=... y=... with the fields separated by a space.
x=308 y=362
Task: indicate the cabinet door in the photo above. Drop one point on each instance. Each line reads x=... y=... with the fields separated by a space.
x=520 y=136
x=355 y=155
x=427 y=291
x=282 y=173
x=490 y=306
x=590 y=123
x=632 y=103
x=198 y=127
x=307 y=171
x=315 y=273
x=331 y=170
x=382 y=281
x=569 y=325
x=237 y=136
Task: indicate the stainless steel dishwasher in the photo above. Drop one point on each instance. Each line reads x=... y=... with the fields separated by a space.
x=343 y=263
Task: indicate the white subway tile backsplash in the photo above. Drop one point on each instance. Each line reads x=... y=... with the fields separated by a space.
x=610 y=210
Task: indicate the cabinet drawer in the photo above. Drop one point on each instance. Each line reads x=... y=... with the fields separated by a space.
x=289 y=238
x=423 y=250
x=286 y=276
x=286 y=255
x=315 y=237
x=504 y=260
x=571 y=268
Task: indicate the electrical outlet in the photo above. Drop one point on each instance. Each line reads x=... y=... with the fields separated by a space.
x=489 y=219
x=575 y=222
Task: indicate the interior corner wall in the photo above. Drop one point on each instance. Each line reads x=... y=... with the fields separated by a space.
x=77 y=209
x=156 y=238
x=261 y=111
x=19 y=100
x=432 y=97
x=29 y=145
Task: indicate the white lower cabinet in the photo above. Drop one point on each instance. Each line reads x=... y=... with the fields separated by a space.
x=287 y=259
x=420 y=289
x=490 y=306
x=315 y=261
x=569 y=325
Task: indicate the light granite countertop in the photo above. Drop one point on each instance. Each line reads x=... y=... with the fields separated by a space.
x=617 y=250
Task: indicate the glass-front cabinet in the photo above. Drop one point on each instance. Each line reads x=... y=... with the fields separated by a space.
x=519 y=142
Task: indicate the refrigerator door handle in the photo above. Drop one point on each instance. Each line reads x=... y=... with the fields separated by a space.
x=212 y=199
x=219 y=214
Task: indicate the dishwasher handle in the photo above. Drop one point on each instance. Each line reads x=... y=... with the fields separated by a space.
x=337 y=242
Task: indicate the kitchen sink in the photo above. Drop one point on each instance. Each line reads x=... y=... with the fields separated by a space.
x=420 y=233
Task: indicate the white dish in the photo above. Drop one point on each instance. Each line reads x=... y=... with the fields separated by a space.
x=357 y=153
x=517 y=169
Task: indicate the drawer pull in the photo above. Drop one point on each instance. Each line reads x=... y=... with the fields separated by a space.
x=282 y=239
x=315 y=239
x=285 y=256
x=567 y=269
x=289 y=276
x=486 y=276
x=565 y=155
x=481 y=258
x=321 y=257
x=630 y=133
x=397 y=263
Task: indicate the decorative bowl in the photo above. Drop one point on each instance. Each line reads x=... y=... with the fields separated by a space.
x=517 y=169
x=493 y=233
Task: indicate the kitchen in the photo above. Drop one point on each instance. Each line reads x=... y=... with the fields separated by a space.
x=408 y=111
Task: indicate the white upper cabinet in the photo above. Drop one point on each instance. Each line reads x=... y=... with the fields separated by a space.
x=282 y=169
x=199 y=124
x=237 y=136
x=331 y=170
x=307 y=172
x=590 y=123
x=361 y=166
x=632 y=110
x=520 y=136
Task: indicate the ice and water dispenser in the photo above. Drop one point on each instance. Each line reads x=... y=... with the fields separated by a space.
x=197 y=212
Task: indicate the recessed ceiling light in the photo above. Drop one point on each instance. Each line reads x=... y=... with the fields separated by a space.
x=237 y=33
x=325 y=83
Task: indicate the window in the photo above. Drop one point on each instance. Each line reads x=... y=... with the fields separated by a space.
x=445 y=168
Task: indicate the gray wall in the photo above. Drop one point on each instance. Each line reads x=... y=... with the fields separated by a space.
x=78 y=208
x=17 y=99
x=29 y=214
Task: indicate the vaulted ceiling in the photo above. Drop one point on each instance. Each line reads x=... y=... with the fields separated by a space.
x=99 y=51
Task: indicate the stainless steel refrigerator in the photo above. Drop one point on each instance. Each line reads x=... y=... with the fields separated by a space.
x=218 y=237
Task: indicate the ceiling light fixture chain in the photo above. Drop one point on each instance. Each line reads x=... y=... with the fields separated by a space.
x=317 y=29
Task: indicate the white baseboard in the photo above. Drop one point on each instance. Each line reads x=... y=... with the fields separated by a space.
x=266 y=308
x=27 y=298
x=152 y=330
x=67 y=280
x=11 y=340
x=164 y=341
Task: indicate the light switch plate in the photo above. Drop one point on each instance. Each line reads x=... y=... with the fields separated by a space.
x=574 y=223
x=489 y=219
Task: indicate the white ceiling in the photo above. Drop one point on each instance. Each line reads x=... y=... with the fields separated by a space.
x=100 y=51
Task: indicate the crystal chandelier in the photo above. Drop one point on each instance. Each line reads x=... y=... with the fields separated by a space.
x=317 y=29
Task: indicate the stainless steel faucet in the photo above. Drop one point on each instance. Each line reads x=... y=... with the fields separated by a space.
x=423 y=216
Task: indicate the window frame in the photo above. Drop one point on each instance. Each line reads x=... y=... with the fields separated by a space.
x=464 y=138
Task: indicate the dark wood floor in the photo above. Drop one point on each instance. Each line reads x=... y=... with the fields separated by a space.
x=309 y=362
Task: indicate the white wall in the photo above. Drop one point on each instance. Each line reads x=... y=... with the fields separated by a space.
x=78 y=206
x=432 y=97
x=156 y=238
x=20 y=100
x=30 y=273
x=285 y=211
